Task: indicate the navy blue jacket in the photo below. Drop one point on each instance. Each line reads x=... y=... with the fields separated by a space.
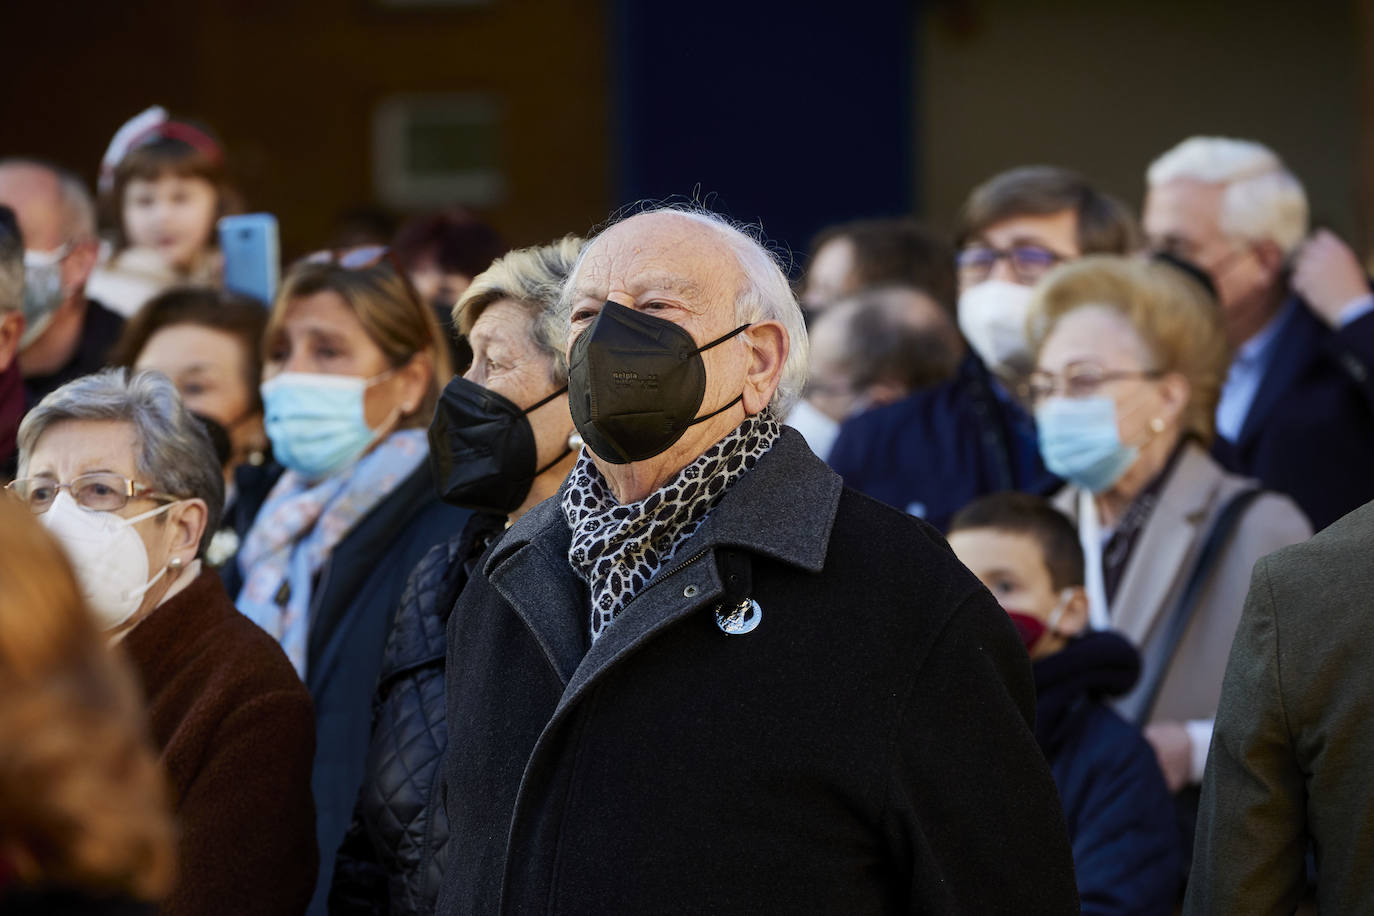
x=939 y=449
x=351 y=613
x=1126 y=850
x=1310 y=429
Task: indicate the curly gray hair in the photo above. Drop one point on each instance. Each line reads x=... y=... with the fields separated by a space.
x=175 y=454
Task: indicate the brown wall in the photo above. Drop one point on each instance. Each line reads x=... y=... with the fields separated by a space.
x=291 y=87
x=1104 y=87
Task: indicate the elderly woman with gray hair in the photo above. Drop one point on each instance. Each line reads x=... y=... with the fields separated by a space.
x=127 y=481
x=501 y=443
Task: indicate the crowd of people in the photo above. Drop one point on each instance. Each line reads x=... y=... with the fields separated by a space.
x=629 y=573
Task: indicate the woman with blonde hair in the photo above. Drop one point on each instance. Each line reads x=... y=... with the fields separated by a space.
x=354 y=363
x=1130 y=355
x=500 y=444
x=84 y=820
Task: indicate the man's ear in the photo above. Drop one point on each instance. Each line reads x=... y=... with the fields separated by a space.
x=78 y=264
x=11 y=331
x=768 y=349
x=1270 y=256
x=185 y=527
x=1074 y=619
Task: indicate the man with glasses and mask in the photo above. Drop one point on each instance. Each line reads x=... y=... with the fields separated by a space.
x=705 y=677
x=939 y=449
x=1297 y=407
x=65 y=335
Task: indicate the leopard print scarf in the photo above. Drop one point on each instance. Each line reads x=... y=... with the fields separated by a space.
x=618 y=549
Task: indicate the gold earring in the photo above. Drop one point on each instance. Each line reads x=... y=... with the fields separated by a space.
x=1157 y=425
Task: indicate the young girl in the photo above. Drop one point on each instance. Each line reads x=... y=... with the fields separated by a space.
x=163 y=187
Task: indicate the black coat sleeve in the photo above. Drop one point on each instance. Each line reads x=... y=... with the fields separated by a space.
x=972 y=811
x=1249 y=855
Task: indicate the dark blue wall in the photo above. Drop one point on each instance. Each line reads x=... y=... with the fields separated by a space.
x=792 y=113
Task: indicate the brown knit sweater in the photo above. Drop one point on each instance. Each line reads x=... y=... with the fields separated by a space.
x=236 y=730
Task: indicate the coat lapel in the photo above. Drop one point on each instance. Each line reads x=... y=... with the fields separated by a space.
x=1296 y=343
x=530 y=570
x=1160 y=559
x=760 y=514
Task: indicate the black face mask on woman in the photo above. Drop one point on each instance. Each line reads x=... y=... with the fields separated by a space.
x=636 y=382
x=482 y=451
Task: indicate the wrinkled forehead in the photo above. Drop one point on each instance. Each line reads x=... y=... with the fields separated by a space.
x=660 y=252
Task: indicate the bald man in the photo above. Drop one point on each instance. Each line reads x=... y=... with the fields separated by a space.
x=66 y=335
x=707 y=678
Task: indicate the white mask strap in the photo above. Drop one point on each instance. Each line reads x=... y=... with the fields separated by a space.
x=151 y=512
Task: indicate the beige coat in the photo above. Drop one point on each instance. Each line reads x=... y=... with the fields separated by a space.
x=1164 y=556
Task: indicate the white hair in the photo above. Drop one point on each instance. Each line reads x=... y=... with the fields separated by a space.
x=765 y=296
x=1263 y=201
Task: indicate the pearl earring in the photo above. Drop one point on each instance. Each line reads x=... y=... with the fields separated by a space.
x=175 y=562
x=1157 y=424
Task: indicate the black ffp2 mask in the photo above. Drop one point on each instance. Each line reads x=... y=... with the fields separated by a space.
x=482 y=451
x=636 y=382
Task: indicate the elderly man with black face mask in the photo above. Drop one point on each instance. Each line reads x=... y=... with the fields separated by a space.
x=705 y=677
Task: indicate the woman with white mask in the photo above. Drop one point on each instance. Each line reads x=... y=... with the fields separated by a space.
x=1129 y=359
x=126 y=480
x=353 y=366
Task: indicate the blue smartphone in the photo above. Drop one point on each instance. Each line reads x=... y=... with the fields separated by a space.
x=252 y=255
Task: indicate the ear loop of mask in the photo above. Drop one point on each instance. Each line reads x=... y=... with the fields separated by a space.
x=568 y=450
x=1052 y=622
x=702 y=349
x=130 y=522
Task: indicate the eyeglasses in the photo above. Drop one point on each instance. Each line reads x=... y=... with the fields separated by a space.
x=365 y=257
x=1028 y=262
x=101 y=492
x=359 y=258
x=1078 y=380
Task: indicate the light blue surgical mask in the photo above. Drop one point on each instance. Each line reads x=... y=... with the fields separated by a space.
x=1080 y=443
x=316 y=421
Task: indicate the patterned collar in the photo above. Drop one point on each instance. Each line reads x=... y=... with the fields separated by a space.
x=618 y=548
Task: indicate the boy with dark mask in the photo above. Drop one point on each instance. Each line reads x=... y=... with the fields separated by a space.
x=1120 y=815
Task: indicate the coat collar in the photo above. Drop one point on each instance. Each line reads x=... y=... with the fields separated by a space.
x=761 y=515
x=1159 y=558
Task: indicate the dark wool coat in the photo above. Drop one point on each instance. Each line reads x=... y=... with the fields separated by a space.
x=935 y=451
x=1289 y=769
x=392 y=858
x=866 y=749
x=236 y=733
x=1126 y=847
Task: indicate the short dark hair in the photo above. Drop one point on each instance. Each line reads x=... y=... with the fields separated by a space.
x=457 y=240
x=1023 y=513
x=1105 y=225
x=898 y=252
x=205 y=307
x=885 y=344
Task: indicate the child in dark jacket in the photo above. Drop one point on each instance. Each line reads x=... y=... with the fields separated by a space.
x=1119 y=812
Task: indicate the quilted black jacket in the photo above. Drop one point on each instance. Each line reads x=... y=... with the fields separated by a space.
x=392 y=859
